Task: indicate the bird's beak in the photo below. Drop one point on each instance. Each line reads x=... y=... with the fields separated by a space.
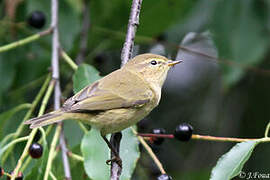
x=172 y=63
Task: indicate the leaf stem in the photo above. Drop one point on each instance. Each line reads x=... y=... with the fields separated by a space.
x=13 y=142
x=34 y=104
x=52 y=150
x=52 y=176
x=24 y=41
x=15 y=110
x=267 y=130
x=28 y=114
x=150 y=152
x=75 y=156
x=24 y=154
x=68 y=60
x=33 y=132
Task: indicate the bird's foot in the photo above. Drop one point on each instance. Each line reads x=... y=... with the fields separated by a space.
x=116 y=159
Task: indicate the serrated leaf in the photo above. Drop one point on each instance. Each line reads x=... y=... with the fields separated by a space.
x=96 y=152
x=84 y=75
x=231 y=163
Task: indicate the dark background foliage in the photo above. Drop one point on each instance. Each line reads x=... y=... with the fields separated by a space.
x=221 y=97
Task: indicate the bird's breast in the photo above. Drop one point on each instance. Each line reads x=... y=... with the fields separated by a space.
x=116 y=120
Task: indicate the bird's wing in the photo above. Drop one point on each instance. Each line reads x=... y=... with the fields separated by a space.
x=125 y=91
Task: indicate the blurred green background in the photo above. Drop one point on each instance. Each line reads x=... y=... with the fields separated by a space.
x=226 y=94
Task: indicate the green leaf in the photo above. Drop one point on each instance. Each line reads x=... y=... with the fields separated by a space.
x=231 y=163
x=230 y=23
x=84 y=75
x=75 y=137
x=129 y=152
x=96 y=152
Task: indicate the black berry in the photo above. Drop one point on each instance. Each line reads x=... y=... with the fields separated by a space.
x=183 y=132
x=158 y=141
x=37 y=19
x=35 y=150
x=19 y=176
x=164 y=177
x=1 y=171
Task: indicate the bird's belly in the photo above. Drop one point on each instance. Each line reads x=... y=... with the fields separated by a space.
x=118 y=119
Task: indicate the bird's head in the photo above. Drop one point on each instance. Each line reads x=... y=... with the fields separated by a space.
x=153 y=68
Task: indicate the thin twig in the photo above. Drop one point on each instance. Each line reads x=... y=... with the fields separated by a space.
x=57 y=95
x=267 y=130
x=199 y=137
x=33 y=133
x=84 y=32
x=24 y=41
x=52 y=176
x=68 y=60
x=24 y=154
x=220 y=139
x=75 y=156
x=16 y=109
x=28 y=115
x=13 y=143
x=131 y=31
x=125 y=56
x=52 y=151
x=150 y=152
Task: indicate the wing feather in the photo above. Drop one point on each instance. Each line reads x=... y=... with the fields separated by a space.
x=106 y=94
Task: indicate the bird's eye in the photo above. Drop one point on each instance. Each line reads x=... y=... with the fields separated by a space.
x=153 y=62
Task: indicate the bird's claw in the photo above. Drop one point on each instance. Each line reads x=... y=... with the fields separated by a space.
x=115 y=159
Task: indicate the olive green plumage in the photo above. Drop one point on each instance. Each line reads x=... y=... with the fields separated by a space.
x=118 y=100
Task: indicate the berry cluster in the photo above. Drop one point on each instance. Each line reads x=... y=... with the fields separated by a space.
x=183 y=132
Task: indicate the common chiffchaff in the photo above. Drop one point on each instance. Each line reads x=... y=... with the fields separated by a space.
x=118 y=100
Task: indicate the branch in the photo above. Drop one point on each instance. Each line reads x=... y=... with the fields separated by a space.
x=116 y=170
x=125 y=56
x=57 y=96
x=131 y=31
x=199 y=137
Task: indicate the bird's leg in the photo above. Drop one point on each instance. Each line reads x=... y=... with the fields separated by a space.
x=116 y=158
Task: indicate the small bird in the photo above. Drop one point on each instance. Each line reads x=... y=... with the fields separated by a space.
x=118 y=100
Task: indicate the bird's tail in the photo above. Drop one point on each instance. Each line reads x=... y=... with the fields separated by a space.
x=46 y=119
x=57 y=116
